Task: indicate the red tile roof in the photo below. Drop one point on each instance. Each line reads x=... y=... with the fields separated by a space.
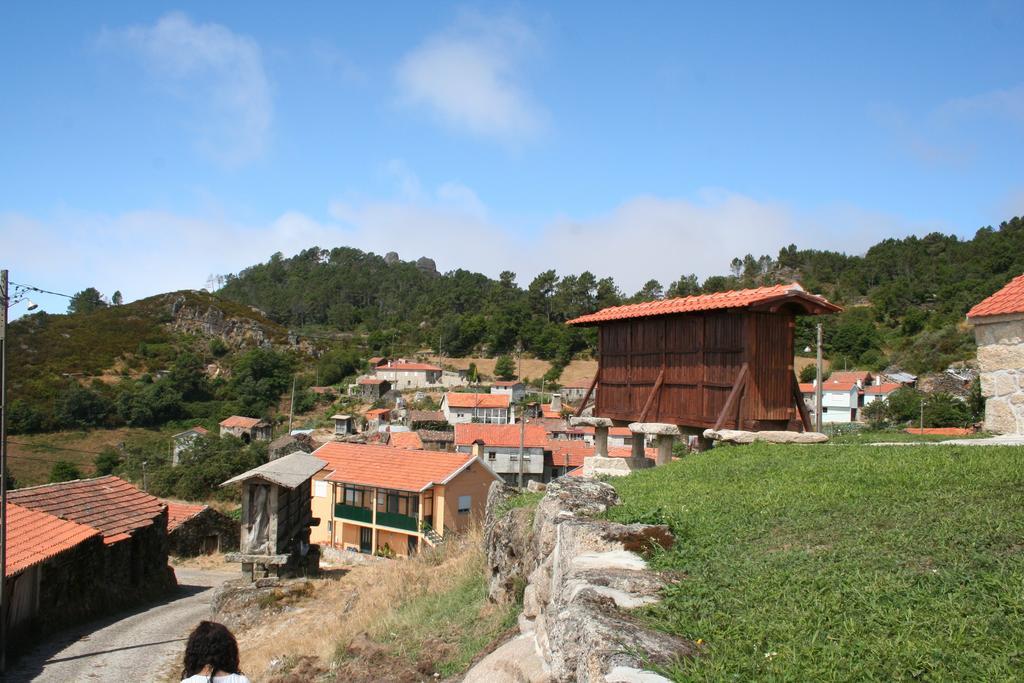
x=547 y=411
x=34 y=536
x=109 y=504
x=460 y=400
x=884 y=388
x=499 y=435
x=239 y=421
x=742 y=298
x=1009 y=299
x=409 y=367
x=406 y=440
x=830 y=385
x=392 y=468
x=940 y=431
x=566 y=453
x=504 y=383
x=850 y=376
x=371 y=380
x=179 y=513
x=806 y=387
x=376 y=413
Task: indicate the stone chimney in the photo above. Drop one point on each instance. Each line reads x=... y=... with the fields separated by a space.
x=556 y=402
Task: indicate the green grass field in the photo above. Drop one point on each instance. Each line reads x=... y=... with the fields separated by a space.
x=841 y=562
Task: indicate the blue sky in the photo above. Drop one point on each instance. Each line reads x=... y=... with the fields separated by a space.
x=148 y=147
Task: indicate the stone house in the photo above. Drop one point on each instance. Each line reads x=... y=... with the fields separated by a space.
x=373 y=388
x=372 y=499
x=247 y=429
x=54 y=571
x=575 y=391
x=133 y=525
x=199 y=530
x=436 y=440
x=999 y=332
x=184 y=441
x=403 y=374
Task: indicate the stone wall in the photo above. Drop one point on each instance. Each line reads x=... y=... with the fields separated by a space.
x=1001 y=360
x=195 y=536
x=579 y=577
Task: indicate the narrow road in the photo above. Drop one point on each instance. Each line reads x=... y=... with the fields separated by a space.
x=139 y=645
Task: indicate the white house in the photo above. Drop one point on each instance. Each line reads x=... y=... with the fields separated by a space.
x=403 y=374
x=498 y=446
x=184 y=441
x=460 y=408
x=879 y=392
x=840 y=400
x=514 y=389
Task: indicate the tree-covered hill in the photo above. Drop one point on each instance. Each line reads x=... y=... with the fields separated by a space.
x=905 y=298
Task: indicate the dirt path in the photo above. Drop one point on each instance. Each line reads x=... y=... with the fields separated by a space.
x=132 y=646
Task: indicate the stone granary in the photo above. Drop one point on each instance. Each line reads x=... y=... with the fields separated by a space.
x=290 y=443
x=999 y=331
x=247 y=429
x=131 y=565
x=680 y=366
x=199 y=530
x=276 y=516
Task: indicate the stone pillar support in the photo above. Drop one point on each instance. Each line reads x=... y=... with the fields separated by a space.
x=601 y=426
x=666 y=435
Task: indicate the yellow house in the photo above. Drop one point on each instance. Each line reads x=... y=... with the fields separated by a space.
x=378 y=498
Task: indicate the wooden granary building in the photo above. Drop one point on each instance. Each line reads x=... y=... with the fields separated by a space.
x=722 y=360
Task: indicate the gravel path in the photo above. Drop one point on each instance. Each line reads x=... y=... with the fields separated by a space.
x=140 y=645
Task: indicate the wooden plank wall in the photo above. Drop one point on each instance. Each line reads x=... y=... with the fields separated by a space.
x=702 y=355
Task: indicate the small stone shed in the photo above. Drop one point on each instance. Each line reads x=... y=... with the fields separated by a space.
x=247 y=429
x=194 y=529
x=290 y=443
x=54 y=568
x=276 y=515
x=373 y=388
x=999 y=332
x=133 y=524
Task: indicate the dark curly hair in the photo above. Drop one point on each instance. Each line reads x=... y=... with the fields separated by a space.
x=210 y=644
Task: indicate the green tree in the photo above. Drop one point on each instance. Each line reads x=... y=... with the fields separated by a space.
x=945 y=410
x=809 y=373
x=79 y=407
x=338 y=364
x=86 y=301
x=505 y=368
x=107 y=462
x=472 y=374
x=117 y=299
x=64 y=470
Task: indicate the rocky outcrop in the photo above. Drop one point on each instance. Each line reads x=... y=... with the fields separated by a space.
x=208 y=320
x=579 y=578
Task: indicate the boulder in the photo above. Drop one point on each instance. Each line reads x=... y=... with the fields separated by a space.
x=655 y=428
x=741 y=437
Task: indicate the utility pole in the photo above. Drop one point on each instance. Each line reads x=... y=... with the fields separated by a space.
x=144 y=476
x=817 y=387
x=522 y=442
x=921 y=424
x=4 y=607
x=291 y=411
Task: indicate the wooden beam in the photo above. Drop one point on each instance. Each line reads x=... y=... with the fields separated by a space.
x=586 y=396
x=805 y=415
x=730 y=403
x=653 y=395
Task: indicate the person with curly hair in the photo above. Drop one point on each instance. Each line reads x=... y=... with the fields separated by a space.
x=211 y=656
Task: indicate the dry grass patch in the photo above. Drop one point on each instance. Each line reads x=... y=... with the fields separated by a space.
x=412 y=618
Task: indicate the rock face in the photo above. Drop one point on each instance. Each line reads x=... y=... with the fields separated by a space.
x=735 y=436
x=211 y=321
x=1001 y=360
x=580 y=577
x=427 y=265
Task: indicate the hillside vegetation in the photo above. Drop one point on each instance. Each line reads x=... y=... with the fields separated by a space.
x=841 y=562
x=905 y=299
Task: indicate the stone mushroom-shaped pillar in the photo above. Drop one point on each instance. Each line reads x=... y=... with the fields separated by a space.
x=666 y=435
x=601 y=426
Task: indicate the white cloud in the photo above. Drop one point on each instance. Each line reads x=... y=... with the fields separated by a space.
x=469 y=76
x=146 y=252
x=217 y=72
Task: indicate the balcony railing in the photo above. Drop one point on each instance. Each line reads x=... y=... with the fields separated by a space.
x=365 y=515
x=354 y=513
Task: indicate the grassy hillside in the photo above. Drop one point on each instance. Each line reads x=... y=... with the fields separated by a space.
x=841 y=562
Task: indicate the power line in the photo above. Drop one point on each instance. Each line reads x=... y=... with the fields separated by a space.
x=54 y=448
x=33 y=288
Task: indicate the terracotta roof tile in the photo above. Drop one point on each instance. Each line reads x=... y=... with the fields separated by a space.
x=499 y=435
x=406 y=440
x=742 y=298
x=109 y=504
x=939 y=431
x=425 y=416
x=386 y=467
x=565 y=453
x=1008 y=300
x=850 y=376
x=806 y=387
x=506 y=383
x=376 y=413
x=460 y=400
x=34 y=536
x=884 y=388
x=178 y=513
x=409 y=367
x=239 y=421
x=371 y=381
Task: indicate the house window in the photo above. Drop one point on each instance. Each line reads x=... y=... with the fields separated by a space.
x=320 y=489
x=492 y=456
x=465 y=503
x=330 y=526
